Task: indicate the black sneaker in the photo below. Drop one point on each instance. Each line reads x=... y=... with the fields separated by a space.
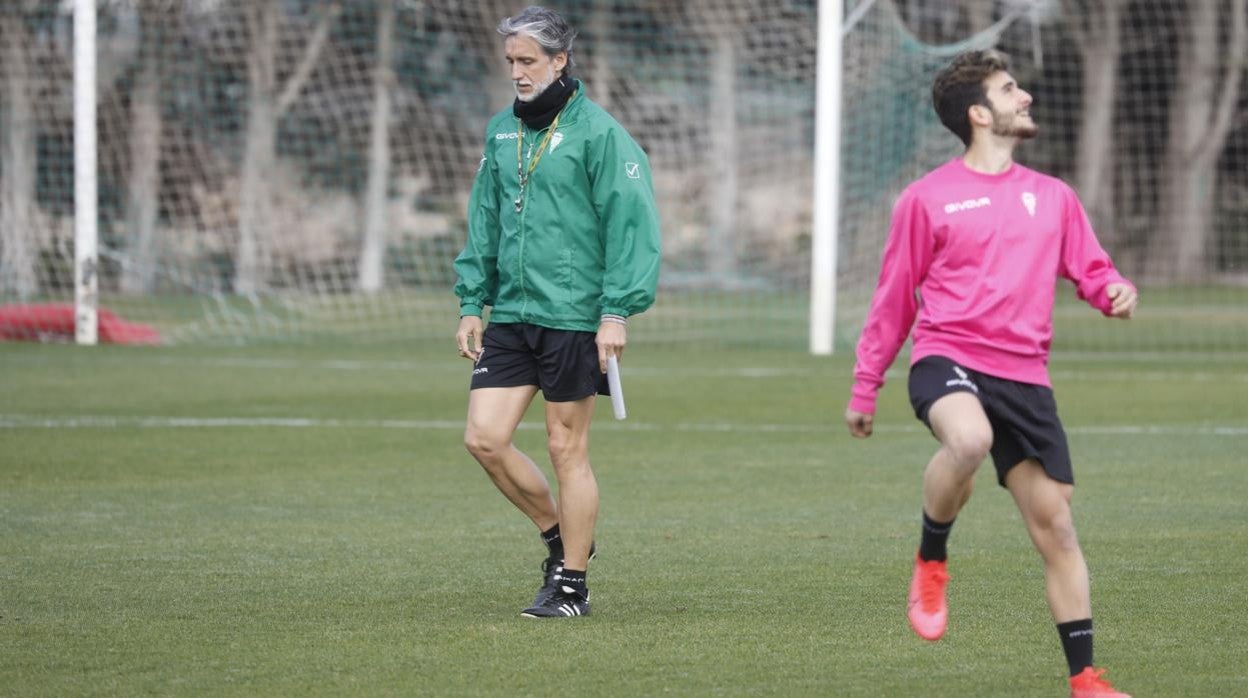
x=550 y=569
x=550 y=566
x=561 y=604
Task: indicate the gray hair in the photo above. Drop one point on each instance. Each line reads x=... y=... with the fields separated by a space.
x=544 y=26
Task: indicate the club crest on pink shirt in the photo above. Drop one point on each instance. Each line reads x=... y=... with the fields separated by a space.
x=1029 y=200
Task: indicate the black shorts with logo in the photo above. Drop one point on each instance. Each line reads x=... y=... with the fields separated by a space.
x=563 y=363
x=1023 y=416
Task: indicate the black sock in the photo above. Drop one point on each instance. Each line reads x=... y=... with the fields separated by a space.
x=553 y=542
x=574 y=580
x=935 y=535
x=1077 y=643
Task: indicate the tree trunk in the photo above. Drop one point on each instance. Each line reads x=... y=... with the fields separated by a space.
x=1198 y=127
x=601 y=22
x=722 y=173
x=143 y=187
x=979 y=16
x=264 y=107
x=18 y=250
x=500 y=87
x=1100 y=47
x=372 y=253
x=258 y=150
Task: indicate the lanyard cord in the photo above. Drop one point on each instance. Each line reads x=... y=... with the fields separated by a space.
x=521 y=174
x=541 y=148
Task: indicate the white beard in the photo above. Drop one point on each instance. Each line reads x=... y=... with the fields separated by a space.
x=538 y=88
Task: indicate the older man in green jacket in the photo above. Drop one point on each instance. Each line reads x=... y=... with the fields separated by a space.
x=563 y=245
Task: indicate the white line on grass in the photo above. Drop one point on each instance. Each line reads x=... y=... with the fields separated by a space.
x=761 y=372
x=22 y=421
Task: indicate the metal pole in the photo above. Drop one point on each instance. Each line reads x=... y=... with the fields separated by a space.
x=86 y=240
x=827 y=179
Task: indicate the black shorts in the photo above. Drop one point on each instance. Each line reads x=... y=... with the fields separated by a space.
x=1023 y=416
x=563 y=363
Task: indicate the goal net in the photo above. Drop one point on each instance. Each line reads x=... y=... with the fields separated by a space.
x=286 y=169
x=1135 y=103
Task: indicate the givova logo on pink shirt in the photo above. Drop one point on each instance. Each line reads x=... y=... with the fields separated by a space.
x=968 y=204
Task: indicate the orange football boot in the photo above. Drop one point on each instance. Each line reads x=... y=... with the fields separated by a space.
x=928 y=612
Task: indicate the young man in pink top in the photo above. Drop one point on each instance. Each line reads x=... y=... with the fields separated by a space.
x=974 y=253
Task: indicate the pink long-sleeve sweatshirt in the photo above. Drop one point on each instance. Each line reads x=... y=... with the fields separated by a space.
x=977 y=257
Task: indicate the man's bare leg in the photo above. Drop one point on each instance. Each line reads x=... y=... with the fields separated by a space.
x=1045 y=506
x=965 y=436
x=567 y=427
x=493 y=415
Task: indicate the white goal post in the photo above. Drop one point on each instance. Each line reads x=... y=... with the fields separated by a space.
x=827 y=187
x=86 y=234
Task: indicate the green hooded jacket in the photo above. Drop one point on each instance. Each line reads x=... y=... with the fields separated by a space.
x=586 y=241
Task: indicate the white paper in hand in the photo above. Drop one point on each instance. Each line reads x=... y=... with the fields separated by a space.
x=617 y=391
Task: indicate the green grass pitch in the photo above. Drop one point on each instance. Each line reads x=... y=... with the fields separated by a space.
x=304 y=520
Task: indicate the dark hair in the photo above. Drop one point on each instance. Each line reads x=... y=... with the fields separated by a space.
x=960 y=85
x=544 y=26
